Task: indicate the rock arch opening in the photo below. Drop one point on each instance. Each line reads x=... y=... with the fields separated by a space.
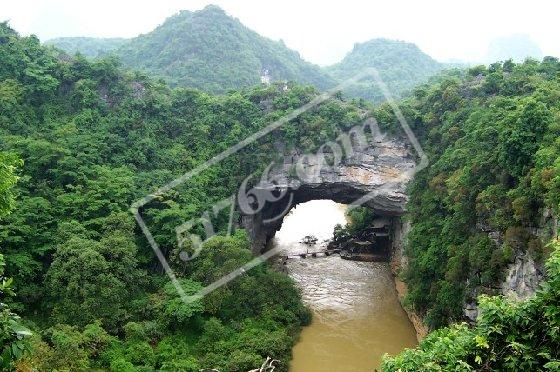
x=354 y=304
x=374 y=177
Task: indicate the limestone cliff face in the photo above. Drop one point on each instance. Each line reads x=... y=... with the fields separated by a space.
x=523 y=275
x=523 y=278
x=398 y=262
x=375 y=176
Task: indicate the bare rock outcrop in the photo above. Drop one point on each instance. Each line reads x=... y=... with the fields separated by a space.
x=523 y=278
x=375 y=176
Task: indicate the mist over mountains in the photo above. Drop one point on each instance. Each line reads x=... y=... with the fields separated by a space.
x=88 y=46
x=211 y=51
x=214 y=52
x=515 y=47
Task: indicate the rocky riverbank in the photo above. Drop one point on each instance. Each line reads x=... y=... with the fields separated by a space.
x=399 y=229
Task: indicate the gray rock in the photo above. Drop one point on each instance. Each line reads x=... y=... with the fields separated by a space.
x=522 y=278
x=375 y=176
x=471 y=311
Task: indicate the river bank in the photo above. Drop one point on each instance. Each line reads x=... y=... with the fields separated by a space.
x=398 y=260
x=357 y=316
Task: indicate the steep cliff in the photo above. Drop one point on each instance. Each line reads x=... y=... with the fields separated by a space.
x=375 y=176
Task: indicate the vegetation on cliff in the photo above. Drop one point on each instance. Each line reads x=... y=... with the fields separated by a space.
x=492 y=138
x=508 y=336
x=401 y=66
x=489 y=195
x=94 y=138
x=211 y=51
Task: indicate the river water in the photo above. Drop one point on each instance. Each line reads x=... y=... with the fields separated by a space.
x=356 y=314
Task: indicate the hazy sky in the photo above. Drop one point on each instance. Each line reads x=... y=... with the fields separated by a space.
x=322 y=31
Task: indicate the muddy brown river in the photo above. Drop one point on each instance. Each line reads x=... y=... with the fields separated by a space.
x=356 y=314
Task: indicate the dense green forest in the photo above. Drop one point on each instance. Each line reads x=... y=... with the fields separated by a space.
x=401 y=66
x=93 y=138
x=493 y=139
x=88 y=46
x=211 y=51
x=214 y=52
x=508 y=335
x=81 y=140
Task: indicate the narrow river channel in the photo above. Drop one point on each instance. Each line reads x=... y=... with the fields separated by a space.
x=356 y=314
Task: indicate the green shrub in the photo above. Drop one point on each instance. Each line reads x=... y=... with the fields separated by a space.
x=508 y=335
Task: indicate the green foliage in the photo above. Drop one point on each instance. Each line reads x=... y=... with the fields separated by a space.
x=65 y=347
x=175 y=310
x=89 y=280
x=207 y=50
x=442 y=350
x=359 y=220
x=88 y=46
x=401 y=67
x=508 y=336
x=94 y=138
x=8 y=179
x=12 y=333
x=492 y=140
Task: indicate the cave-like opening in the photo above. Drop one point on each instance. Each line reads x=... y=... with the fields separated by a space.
x=357 y=316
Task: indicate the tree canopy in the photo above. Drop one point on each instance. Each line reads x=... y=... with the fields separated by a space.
x=94 y=138
x=207 y=50
x=487 y=197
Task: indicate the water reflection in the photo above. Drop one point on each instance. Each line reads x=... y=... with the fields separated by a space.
x=357 y=317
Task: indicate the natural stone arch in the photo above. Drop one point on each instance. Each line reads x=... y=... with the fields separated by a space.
x=375 y=177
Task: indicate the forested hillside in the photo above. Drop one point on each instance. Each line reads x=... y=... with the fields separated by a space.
x=488 y=197
x=515 y=47
x=93 y=139
x=214 y=52
x=82 y=139
x=88 y=46
x=401 y=66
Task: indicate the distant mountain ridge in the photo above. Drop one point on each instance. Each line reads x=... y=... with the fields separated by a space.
x=515 y=47
x=88 y=46
x=211 y=51
x=401 y=66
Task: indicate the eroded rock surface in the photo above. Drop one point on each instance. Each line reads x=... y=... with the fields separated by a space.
x=375 y=176
x=523 y=278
